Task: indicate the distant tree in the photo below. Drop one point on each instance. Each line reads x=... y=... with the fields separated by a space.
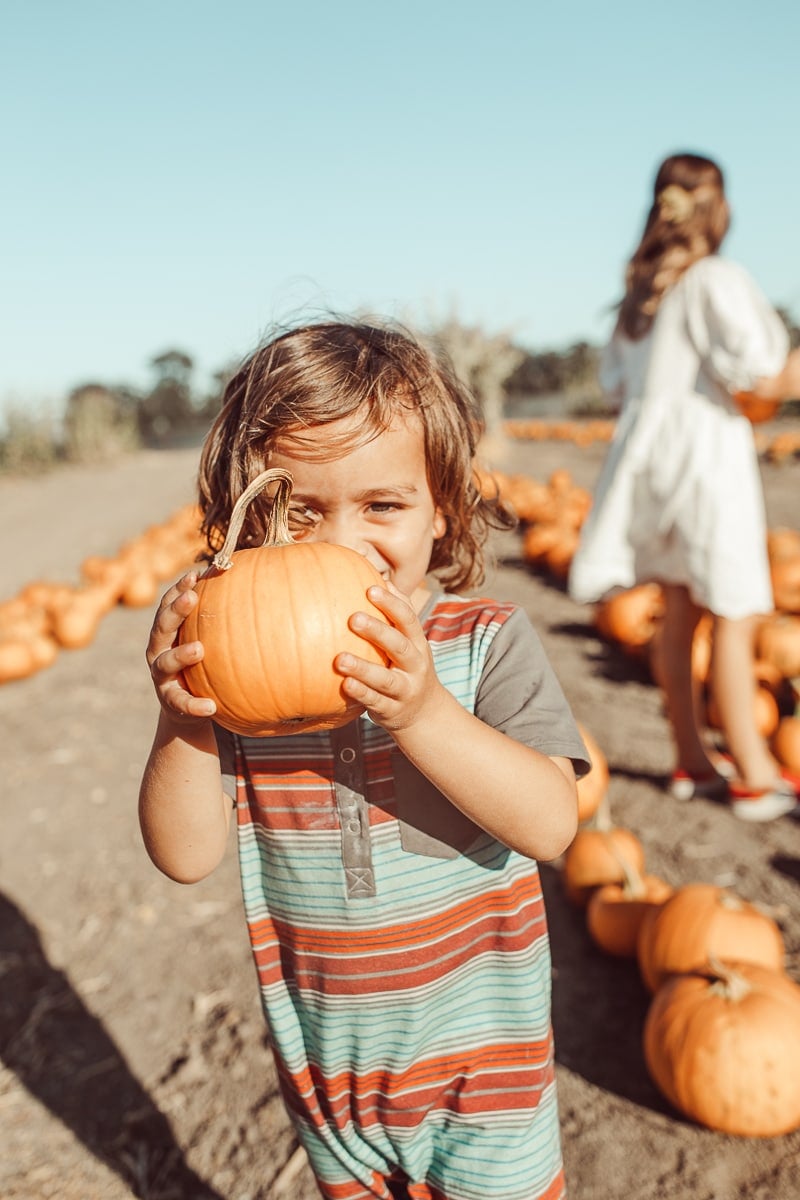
x=556 y=372
x=483 y=363
x=168 y=407
x=99 y=423
x=210 y=404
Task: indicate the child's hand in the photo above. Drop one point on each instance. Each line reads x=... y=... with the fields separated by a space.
x=167 y=658
x=395 y=696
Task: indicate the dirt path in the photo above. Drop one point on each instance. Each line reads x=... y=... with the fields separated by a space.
x=133 y=1056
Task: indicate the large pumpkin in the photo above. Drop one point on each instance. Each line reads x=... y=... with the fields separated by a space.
x=723 y=1046
x=701 y=921
x=272 y=620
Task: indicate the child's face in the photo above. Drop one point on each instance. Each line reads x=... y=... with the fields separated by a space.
x=374 y=498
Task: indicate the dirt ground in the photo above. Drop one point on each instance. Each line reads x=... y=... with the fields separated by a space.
x=132 y=1053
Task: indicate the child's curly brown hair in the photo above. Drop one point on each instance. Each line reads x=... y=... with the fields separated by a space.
x=319 y=373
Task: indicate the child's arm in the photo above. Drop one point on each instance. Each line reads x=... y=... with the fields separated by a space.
x=183 y=812
x=525 y=799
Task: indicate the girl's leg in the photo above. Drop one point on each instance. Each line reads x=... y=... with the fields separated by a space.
x=673 y=670
x=733 y=684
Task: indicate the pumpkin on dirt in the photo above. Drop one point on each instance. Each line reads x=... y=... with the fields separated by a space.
x=631 y=617
x=721 y=1045
x=592 y=788
x=778 y=641
x=765 y=709
x=786 y=742
x=701 y=921
x=272 y=619
x=615 y=912
x=595 y=857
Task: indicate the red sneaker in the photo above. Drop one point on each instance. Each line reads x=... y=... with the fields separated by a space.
x=764 y=804
x=709 y=786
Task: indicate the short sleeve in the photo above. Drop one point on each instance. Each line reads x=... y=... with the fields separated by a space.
x=226 y=746
x=520 y=695
x=735 y=330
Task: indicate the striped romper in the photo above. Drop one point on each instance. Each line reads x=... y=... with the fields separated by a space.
x=402 y=953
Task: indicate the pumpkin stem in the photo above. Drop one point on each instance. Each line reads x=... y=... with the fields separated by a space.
x=633 y=883
x=730 y=900
x=729 y=982
x=277 y=524
x=602 y=818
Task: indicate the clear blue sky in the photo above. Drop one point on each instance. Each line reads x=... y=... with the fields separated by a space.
x=181 y=174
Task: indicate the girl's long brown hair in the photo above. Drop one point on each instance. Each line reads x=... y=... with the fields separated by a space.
x=319 y=373
x=676 y=234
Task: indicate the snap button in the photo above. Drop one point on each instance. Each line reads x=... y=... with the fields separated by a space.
x=347 y=755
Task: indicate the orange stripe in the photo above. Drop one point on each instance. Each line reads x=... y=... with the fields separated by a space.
x=385 y=974
x=519 y=1062
x=519 y=895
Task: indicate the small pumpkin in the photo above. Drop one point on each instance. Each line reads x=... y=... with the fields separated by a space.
x=21 y=657
x=272 y=619
x=721 y=1044
x=785 y=576
x=756 y=408
x=599 y=856
x=76 y=621
x=765 y=709
x=631 y=617
x=592 y=788
x=616 y=911
x=700 y=921
x=778 y=641
x=786 y=742
x=558 y=558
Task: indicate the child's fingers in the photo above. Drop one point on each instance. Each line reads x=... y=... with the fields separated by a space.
x=402 y=645
x=363 y=676
x=166 y=671
x=181 y=703
x=393 y=604
x=169 y=662
x=175 y=606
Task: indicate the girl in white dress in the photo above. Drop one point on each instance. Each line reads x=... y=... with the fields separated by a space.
x=679 y=499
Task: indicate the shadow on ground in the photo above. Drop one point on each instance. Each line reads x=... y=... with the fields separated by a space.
x=62 y=1054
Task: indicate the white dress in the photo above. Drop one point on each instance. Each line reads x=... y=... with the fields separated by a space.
x=679 y=498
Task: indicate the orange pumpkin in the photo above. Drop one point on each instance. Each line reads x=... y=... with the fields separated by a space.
x=757 y=409
x=272 y=620
x=76 y=622
x=630 y=617
x=778 y=641
x=785 y=576
x=616 y=911
x=698 y=922
x=721 y=1045
x=599 y=856
x=786 y=742
x=783 y=543
x=21 y=657
x=592 y=788
x=765 y=710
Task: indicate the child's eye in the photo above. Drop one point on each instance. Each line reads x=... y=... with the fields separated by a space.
x=383 y=506
x=301 y=518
